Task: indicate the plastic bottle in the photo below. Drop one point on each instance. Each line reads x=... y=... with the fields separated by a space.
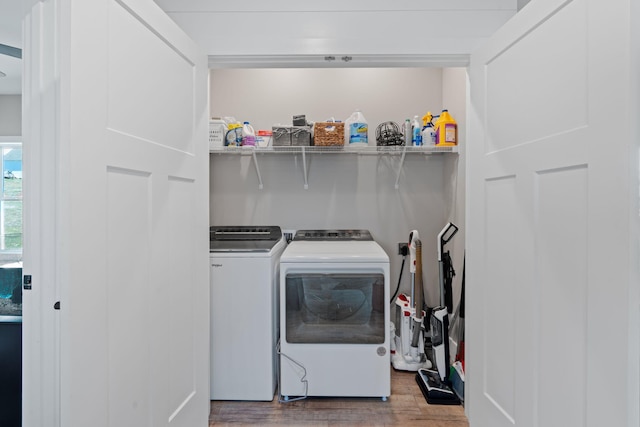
x=429 y=135
x=263 y=138
x=416 y=132
x=233 y=137
x=248 y=135
x=446 y=130
x=407 y=132
x=357 y=130
x=428 y=131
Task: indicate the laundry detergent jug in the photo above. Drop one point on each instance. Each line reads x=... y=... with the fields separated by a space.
x=248 y=135
x=357 y=130
x=446 y=130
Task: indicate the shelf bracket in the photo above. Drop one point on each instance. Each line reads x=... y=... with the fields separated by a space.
x=255 y=163
x=304 y=169
x=404 y=152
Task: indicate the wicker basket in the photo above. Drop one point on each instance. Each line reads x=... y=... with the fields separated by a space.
x=328 y=133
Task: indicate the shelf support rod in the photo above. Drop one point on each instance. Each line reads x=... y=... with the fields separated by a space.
x=304 y=169
x=404 y=152
x=255 y=163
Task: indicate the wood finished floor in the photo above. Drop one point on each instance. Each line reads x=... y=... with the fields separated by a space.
x=406 y=406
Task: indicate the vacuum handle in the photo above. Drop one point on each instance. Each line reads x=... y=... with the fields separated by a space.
x=444 y=236
x=413 y=236
x=417 y=303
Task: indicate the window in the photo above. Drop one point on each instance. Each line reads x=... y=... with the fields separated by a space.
x=11 y=197
x=11 y=228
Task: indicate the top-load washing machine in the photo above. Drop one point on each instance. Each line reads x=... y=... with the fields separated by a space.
x=334 y=315
x=244 y=311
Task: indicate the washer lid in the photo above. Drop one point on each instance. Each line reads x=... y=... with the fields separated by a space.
x=243 y=238
x=334 y=251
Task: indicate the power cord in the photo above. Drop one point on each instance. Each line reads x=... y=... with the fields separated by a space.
x=404 y=251
x=303 y=379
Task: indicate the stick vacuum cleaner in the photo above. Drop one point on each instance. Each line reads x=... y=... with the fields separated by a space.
x=435 y=384
x=409 y=352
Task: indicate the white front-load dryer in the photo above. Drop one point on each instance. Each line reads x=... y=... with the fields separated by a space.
x=334 y=316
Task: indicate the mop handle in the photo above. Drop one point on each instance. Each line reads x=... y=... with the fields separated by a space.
x=441 y=283
x=444 y=236
x=417 y=302
x=418 y=280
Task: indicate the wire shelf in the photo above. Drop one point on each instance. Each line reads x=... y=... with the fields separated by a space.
x=308 y=150
x=375 y=150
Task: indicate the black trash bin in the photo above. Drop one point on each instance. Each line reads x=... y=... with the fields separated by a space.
x=10 y=346
x=11 y=371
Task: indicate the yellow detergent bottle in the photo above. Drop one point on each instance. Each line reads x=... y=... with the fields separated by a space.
x=446 y=130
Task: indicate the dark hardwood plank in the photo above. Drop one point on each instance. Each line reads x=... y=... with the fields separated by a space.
x=406 y=406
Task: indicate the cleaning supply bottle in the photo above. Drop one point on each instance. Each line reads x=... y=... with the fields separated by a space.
x=407 y=132
x=357 y=130
x=446 y=130
x=248 y=135
x=428 y=131
x=416 y=132
x=233 y=137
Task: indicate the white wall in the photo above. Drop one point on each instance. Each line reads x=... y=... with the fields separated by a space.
x=345 y=190
x=10 y=115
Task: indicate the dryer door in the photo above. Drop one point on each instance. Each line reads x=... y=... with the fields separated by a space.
x=335 y=307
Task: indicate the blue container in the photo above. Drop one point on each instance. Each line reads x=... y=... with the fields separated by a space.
x=11 y=291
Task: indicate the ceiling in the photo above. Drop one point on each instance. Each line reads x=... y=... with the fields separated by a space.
x=11 y=35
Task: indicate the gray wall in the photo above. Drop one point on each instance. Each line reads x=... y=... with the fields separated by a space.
x=10 y=115
x=266 y=97
x=345 y=190
x=522 y=3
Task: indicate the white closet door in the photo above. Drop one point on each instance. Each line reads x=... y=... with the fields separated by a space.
x=131 y=227
x=550 y=219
